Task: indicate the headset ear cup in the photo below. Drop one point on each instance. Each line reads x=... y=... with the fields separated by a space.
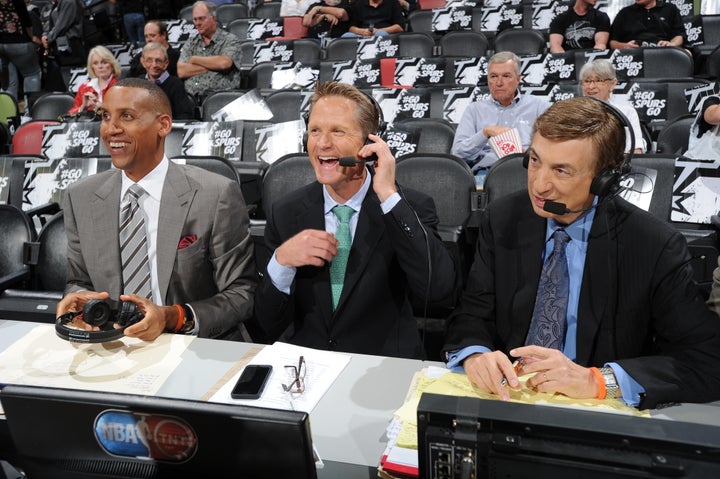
x=604 y=182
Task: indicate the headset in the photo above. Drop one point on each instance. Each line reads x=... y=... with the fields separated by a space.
x=607 y=181
x=98 y=312
x=382 y=126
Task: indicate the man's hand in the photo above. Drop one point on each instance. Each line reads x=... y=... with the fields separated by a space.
x=488 y=371
x=157 y=318
x=384 y=178
x=307 y=248
x=75 y=302
x=556 y=373
x=494 y=130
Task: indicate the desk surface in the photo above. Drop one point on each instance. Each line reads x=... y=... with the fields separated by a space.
x=349 y=422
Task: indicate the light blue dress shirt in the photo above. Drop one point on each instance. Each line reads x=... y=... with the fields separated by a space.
x=472 y=145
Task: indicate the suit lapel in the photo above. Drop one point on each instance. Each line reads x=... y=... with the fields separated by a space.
x=177 y=197
x=310 y=214
x=530 y=231
x=600 y=276
x=105 y=213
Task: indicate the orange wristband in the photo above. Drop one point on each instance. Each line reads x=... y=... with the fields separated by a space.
x=181 y=318
x=600 y=382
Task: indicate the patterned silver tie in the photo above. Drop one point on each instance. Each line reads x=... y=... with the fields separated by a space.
x=549 y=320
x=133 y=245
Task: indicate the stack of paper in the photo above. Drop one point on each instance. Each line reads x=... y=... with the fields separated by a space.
x=506 y=143
x=400 y=459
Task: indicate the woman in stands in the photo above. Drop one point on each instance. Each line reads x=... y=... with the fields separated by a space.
x=598 y=80
x=104 y=71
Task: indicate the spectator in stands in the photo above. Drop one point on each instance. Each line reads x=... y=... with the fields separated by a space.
x=17 y=48
x=598 y=80
x=155 y=61
x=580 y=27
x=294 y=8
x=155 y=31
x=375 y=18
x=63 y=31
x=327 y=18
x=104 y=71
x=614 y=313
x=647 y=23
x=704 y=139
x=199 y=262
x=207 y=61
x=133 y=15
x=388 y=240
x=506 y=109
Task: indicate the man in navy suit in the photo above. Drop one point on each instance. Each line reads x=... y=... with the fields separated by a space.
x=634 y=327
x=395 y=248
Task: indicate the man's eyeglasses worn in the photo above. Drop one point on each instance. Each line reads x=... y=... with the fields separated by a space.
x=297 y=376
x=595 y=82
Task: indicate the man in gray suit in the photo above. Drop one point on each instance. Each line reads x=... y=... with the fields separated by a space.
x=199 y=251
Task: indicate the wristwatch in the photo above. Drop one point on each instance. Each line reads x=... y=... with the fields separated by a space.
x=189 y=324
x=612 y=390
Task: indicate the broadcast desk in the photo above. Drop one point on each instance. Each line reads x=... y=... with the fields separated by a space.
x=349 y=422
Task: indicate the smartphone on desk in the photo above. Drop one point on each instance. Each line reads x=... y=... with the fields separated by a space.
x=251 y=382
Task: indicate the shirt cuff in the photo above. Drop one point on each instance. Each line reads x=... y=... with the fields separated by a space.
x=281 y=276
x=455 y=358
x=390 y=203
x=196 y=329
x=629 y=388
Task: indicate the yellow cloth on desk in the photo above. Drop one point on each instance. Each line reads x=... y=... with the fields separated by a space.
x=455 y=384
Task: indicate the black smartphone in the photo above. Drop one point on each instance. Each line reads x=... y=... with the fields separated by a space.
x=251 y=382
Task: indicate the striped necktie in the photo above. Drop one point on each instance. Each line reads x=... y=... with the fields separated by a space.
x=133 y=245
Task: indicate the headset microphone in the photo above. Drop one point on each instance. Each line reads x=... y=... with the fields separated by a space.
x=352 y=161
x=556 y=208
x=561 y=208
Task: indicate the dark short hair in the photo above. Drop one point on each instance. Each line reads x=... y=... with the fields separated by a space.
x=586 y=117
x=162 y=26
x=367 y=113
x=158 y=99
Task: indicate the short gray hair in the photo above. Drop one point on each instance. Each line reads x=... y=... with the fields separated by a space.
x=211 y=7
x=600 y=67
x=154 y=46
x=503 y=57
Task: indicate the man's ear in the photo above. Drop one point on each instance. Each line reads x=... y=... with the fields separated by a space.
x=165 y=124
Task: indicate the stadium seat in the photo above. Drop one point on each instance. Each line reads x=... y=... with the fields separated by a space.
x=286 y=174
x=520 y=41
x=506 y=176
x=673 y=137
x=227 y=12
x=15 y=231
x=436 y=136
x=463 y=43
x=267 y=10
x=27 y=140
x=51 y=106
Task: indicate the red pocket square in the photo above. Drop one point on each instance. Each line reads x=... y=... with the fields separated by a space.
x=187 y=241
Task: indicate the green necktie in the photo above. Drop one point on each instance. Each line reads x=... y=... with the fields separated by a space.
x=339 y=262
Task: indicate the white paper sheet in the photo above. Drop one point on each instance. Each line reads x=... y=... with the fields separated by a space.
x=323 y=367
